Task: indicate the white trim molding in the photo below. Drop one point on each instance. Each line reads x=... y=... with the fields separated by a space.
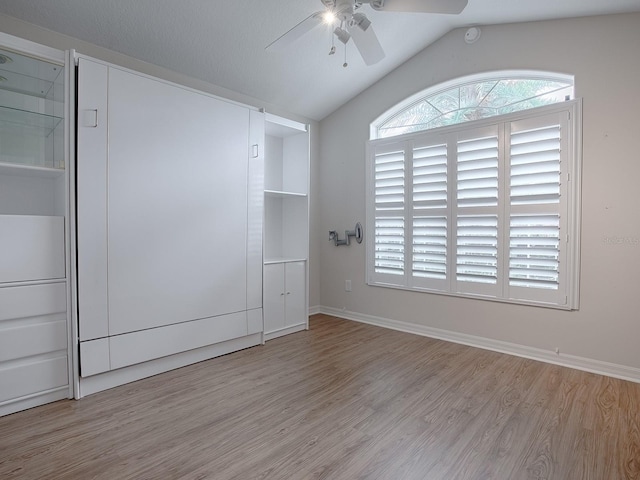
x=599 y=367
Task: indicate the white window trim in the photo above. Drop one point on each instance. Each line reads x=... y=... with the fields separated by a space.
x=573 y=192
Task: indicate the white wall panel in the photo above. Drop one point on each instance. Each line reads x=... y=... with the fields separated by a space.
x=254 y=321
x=255 y=211
x=138 y=347
x=91 y=179
x=177 y=211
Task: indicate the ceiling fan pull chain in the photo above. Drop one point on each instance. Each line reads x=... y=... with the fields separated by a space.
x=332 y=50
x=345 y=64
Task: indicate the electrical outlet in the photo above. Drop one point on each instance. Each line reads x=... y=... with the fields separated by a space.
x=347 y=285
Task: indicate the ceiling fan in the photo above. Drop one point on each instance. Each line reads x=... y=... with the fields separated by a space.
x=348 y=22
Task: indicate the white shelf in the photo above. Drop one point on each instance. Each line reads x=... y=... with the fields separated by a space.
x=282 y=194
x=30 y=170
x=274 y=260
x=17 y=117
x=28 y=283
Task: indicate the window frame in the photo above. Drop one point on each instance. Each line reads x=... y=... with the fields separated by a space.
x=571 y=194
x=407 y=103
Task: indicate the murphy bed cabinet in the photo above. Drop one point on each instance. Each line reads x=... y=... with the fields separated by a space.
x=35 y=342
x=170 y=208
x=286 y=227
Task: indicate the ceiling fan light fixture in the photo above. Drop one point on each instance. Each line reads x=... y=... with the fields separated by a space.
x=329 y=17
x=361 y=20
x=343 y=16
x=342 y=35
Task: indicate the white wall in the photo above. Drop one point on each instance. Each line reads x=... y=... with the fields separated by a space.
x=603 y=54
x=52 y=39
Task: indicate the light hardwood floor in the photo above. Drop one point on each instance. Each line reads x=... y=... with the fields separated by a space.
x=341 y=401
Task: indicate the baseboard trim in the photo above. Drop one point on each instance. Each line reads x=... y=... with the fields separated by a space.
x=284 y=331
x=314 y=310
x=34 y=400
x=579 y=363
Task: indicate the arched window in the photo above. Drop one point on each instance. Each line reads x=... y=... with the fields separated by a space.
x=473 y=98
x=473 y=188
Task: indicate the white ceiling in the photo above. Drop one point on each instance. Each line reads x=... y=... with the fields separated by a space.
x=223 y=41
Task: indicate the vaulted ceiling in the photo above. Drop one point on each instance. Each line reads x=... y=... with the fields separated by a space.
x=223 y=41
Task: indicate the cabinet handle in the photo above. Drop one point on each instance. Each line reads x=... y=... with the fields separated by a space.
x=282 y=294
x=254 y=151
x=288 y=293
x=90 y=118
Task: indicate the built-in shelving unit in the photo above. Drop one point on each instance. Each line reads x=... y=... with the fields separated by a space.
x=34 y=205
x=286 y=227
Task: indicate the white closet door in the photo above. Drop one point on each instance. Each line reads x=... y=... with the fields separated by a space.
x=177 y=208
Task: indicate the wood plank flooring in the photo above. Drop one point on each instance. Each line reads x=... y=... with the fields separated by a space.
x=341 y=401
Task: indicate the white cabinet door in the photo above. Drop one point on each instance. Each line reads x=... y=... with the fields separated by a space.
x=273 y=297
x=284 y=296
x=295 y=291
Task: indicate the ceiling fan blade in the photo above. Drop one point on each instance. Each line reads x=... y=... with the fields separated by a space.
x=296 y=32
x=420 y=6
x=367 y=43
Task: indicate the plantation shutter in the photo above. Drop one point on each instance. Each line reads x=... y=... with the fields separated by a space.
x=430 y=217
x=478 y=172
x=534 y=251
x=537 y=208
x=535 y=165
x=389 y=212
x=477 y=211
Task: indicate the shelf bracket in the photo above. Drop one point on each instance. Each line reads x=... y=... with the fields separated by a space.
x=357 y=233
